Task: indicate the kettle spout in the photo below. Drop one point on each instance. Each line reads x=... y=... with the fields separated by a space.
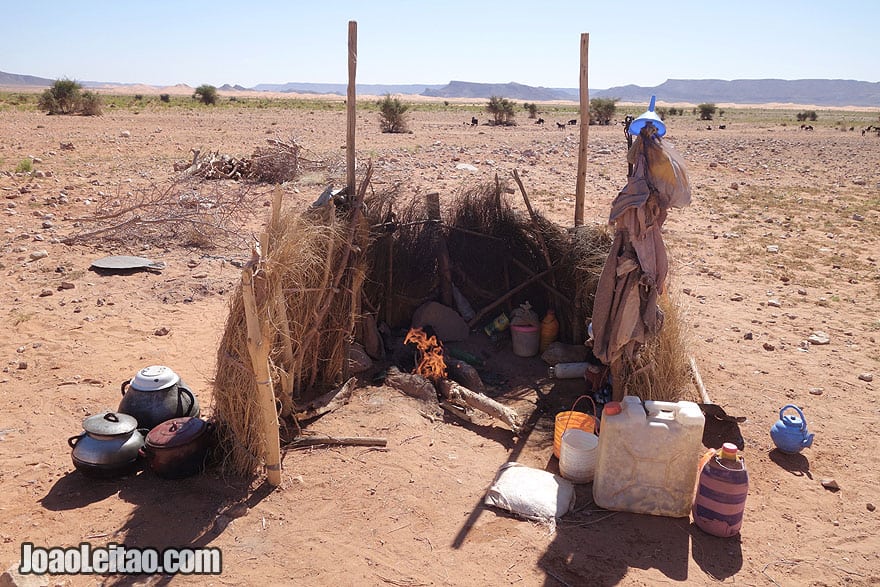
x=808 y=441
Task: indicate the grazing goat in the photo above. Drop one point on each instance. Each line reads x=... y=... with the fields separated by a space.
x=539 y=121
x=560 y=125
x=573 y=122
x=474 y=121
x=722 y=126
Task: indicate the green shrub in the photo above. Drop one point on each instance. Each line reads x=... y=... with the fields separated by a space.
x=602 y=110
x=392 y=114
x=807 y=115
x=502 y=110
x=165 y=98
x=532 y=109
x=707 y=111
x=26 y=165
x=206 y=94
x=90 y=104
x=62 y=98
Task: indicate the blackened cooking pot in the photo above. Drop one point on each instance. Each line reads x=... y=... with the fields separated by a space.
x=109 y=445
x=179 y=447
x=155 y=394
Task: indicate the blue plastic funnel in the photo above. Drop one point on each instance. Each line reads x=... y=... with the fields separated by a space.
x=648 y=117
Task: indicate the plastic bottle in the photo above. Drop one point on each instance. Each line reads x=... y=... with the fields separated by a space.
x=549 y=329
x=568 y=370
x=721 y=493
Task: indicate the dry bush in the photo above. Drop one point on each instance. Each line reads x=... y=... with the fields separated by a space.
x=661 y=370
x=179 y=213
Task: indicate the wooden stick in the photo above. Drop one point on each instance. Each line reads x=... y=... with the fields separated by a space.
x=458 y=394
x=618 y=389
x=507 y=296
x=351 y=109
x=585 y=128
x=259 y=344
x=538 y=234
x=327 y=402
x=338 y=441
x=528 y=271
x=698 y=381
x=432 y=203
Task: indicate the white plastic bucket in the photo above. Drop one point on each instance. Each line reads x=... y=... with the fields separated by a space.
x=577 y=455
x=526 y=339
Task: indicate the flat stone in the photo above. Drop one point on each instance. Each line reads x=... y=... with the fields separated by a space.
x=446 y=322
x=869 y=377
x=819 y=338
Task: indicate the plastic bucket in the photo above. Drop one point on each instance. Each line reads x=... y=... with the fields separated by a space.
x=578 y=455
x=526 y=339
x=573 y=420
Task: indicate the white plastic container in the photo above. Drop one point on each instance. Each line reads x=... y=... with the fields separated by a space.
x=577 y=455
x=648 y=457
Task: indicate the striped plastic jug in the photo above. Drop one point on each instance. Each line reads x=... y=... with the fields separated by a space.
x=721 y=493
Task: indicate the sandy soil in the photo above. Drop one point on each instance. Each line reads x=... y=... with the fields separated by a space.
x=411 y=515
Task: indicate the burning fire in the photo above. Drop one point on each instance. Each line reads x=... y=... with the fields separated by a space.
x=431 y=364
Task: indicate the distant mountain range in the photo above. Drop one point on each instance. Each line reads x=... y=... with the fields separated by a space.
x=819 y=92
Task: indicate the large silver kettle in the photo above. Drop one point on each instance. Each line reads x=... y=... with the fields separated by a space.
x=157 y=394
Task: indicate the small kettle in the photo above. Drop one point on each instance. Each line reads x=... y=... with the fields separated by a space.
x=789 y=433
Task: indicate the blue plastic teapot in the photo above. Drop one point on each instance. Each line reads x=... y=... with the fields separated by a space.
x=789 y=433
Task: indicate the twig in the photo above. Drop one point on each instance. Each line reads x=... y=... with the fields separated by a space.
x=337 y=441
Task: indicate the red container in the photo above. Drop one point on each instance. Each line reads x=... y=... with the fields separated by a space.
x=179 y=447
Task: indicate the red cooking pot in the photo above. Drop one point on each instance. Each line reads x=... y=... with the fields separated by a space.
x=179 y=447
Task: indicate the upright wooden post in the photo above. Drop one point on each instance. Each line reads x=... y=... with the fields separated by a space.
x=585 y=129
x=259 y=343
x=351 y=108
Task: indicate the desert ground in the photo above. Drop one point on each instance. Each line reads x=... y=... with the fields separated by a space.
x=779 y=244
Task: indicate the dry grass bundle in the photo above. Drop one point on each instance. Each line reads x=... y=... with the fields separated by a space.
x=310 y=270
x=660 y=371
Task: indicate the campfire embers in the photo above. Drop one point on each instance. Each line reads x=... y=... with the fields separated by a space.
x=431 y=364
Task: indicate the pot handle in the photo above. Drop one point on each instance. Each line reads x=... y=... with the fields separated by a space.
x=123 y=386
x=192 y=401
x=800 y=413
x=74 y=439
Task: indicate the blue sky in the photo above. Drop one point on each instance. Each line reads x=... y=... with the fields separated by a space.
x=535 y=43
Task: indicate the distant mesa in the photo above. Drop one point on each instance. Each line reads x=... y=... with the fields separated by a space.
x=819 y=92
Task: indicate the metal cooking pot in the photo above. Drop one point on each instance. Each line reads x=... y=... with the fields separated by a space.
x=108 y=446
x=157 y=394
x=179 y=447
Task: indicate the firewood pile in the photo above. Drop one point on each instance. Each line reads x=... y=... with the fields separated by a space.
x=280 y=161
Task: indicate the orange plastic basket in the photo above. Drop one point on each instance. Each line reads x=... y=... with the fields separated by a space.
x=572 y=419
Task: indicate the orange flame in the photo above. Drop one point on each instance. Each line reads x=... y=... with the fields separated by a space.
x=431 y=365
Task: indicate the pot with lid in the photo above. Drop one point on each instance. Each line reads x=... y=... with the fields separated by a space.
x=108 y=446
x=179 y=447
x=156 y=394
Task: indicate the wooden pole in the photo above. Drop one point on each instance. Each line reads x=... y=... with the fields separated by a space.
x=351 y=108
x=432 y=203
x=259 y=343
x=585 y=129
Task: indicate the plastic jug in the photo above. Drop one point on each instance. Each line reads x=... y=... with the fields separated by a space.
x=648 y=457
x=721 y=493
x=549 y=329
